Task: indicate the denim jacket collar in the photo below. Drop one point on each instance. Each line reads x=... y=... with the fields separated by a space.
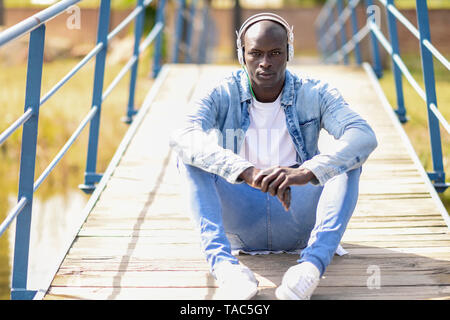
x=287 y=95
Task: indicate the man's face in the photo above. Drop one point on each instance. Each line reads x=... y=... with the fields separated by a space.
x=265 y=54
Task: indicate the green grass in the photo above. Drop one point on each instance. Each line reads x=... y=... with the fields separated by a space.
x=417 y=126
x=432 y=4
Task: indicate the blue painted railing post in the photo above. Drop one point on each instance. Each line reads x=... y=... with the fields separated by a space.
x=190 y=29
x=438 y=176
x=139 y=24
x=319 y=41
x=392 y=26
x=91 y=177
x=371 y=16
x=19 y=289
x=354 y=20
x=158 y=44
x=204 y=35
x=178 y=30
x=343 y=30
x=331 y=19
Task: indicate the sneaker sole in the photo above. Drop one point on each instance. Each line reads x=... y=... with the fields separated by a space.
x=228 y=296
x=283 y=292
x=251 y=295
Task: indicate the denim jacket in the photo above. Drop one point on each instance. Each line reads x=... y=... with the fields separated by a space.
x=215 y=125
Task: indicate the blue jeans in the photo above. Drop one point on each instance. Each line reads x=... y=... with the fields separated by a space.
x=238 y=216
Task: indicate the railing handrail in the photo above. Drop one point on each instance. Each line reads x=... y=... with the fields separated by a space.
x=36 y=20
x=328 y=28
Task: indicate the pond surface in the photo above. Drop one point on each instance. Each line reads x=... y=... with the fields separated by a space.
x=55 y=221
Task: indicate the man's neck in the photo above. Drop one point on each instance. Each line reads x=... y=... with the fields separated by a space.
x=267 y=94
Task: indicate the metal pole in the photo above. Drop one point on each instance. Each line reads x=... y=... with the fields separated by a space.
x=19 y=289
x=190 y=29
x=331 y=21
x=375 y=49
x=343 y=31
x=354 y=20
x=178 y=30
x=90 y=176
x=438 y=176
x=204 y=34
x=392 y=26
x=158 y=44
x=139 y=23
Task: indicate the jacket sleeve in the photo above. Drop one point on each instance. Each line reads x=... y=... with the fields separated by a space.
x=355 y=139
x=199 y=142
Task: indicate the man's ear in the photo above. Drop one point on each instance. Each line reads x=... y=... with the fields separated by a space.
x=243 y=55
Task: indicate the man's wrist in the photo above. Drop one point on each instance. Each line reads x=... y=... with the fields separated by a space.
x=306 y=174
x=247 y=174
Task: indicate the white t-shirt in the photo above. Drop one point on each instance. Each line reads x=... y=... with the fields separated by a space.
x=267 y=142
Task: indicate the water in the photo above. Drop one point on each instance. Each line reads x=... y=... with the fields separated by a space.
x=55 y=221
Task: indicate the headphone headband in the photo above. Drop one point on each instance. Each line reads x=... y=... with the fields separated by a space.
x=265 y=16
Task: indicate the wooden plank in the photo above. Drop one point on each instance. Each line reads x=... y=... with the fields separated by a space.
x=349 y=262
x=321 y=293
x=272 y=278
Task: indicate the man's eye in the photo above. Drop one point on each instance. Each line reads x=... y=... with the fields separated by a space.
x=255 y=54
x=276 y=53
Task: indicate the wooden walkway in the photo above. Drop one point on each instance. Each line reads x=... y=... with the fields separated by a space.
x=138 y=241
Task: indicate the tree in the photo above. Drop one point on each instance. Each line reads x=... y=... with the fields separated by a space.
x=2 y=20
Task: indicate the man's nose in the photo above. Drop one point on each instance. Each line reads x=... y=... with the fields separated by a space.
x=265 y=61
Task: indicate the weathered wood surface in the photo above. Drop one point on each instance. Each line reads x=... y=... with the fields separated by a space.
x=138 y=241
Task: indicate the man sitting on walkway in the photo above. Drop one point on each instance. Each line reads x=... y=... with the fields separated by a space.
x=255 y=179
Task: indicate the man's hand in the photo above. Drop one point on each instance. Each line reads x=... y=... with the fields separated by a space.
x=249 y=175
x=276 y=181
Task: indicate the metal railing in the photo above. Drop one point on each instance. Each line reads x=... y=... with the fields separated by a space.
x=331 y=26
x=188 y=21
x=36 y=27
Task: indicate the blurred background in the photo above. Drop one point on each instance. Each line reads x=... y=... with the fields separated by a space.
x=70 y=36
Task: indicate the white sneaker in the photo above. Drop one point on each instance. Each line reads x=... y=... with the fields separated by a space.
x=299 y=282
x=236 y=282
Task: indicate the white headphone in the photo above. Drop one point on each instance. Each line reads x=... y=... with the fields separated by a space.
x=259 y=17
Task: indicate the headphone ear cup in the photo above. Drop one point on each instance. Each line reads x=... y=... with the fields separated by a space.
x=240 y=56
x=290 y=52
x=239 y=50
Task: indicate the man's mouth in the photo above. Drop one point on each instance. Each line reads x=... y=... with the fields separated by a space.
x=265 y=75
